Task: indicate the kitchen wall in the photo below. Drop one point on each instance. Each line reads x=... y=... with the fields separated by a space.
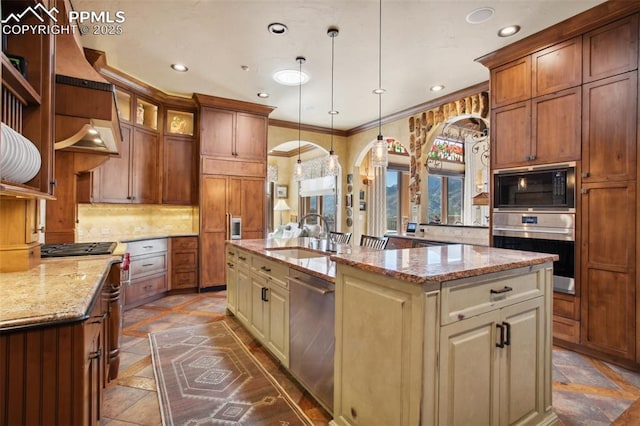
x=115 y=222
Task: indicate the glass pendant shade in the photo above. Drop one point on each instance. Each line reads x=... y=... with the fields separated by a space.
x=332 y=164
x=379 y=153
x=298 y=172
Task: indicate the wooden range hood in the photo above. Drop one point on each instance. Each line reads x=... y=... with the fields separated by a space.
x=85 y=103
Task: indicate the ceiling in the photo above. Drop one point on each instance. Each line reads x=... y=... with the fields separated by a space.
x=425 y=42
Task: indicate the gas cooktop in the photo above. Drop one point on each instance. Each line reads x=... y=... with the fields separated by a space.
x=77 y=249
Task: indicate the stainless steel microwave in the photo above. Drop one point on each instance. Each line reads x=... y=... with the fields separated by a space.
x=536 y=188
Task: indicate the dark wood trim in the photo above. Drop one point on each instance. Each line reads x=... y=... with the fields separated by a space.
x=454 y=96
x=293 y=152
x=231 y=104
x=306 y=127
x=576 y=25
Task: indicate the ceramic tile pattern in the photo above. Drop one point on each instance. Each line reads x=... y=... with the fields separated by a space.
x=585 y=391
x=113 y=222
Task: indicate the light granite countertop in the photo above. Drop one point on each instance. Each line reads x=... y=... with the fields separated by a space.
x=422 y=266
x=321 y=267
x=57 y=290
x=434 y=265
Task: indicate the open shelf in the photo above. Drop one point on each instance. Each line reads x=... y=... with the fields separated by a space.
x=179 y=123
x=22 y=191
x=17 y=84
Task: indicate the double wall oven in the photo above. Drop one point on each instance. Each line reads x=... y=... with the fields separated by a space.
x=534 y=210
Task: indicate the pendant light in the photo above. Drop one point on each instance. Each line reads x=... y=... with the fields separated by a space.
x=332 y=159
x=298 y=172
x=379 y=152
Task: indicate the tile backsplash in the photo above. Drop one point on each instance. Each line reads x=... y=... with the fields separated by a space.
x=115 y=222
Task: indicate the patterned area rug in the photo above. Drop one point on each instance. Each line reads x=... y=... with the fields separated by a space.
x=206 y=376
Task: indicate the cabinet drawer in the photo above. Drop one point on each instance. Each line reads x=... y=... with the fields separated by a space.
x=232 y=255
x=181 y=243
x=184 y=260
x=145 y=265
x=471 y=298
x=141 y=289
x=271 y=270
x=147 y=246
x=186 y=279
x=244 y=258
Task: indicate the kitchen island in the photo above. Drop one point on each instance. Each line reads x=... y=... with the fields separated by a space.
x=454 y=334
x=59 y=339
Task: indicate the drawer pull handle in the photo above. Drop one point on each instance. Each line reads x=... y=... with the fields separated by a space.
x=506 y=289
x=147 y=264
x=230 y=265
x=264 y=268
x=242 y=258
x=500 y=328
x=147 y=247
x=230 y=253
x=96 y=355
x=507 y=326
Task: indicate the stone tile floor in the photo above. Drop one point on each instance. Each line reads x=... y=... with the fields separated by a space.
x=585 y=391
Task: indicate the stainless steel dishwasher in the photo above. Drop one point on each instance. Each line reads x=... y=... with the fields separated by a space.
x=311 y=334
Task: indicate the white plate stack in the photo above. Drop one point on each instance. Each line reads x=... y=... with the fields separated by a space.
x=19 y=157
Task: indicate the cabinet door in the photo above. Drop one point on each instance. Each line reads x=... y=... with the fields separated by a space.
x=556 y=127
x=610 y=129
x=243 y=281
x=511 y=135
x=608 y=273
x=144 y=168
x=232 y=295
x=217 y=132
x=213 y=203
x=611 y=49
x=374 y=387
x=251 y=137
x=113 y=175
x=557 y=67
x=511 y=82
x=469 y=371
x=252 y=204
x=279 y=323
x=259 y=308
x=178 y=172
x=521 y=364
x=212 y=259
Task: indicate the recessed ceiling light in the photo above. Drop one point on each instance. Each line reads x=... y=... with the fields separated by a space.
x=179 y=67
x=263 y=95
x=480 y=15
x=277 y=28
x=290 y=77
x=436 y=88
x=509 y=31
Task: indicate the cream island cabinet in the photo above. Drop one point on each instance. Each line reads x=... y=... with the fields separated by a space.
x=449 y=335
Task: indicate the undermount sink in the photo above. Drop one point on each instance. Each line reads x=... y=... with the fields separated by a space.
x=296 y=252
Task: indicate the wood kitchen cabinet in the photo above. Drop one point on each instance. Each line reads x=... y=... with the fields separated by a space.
x=184 y=263
x=608 y=286
x=134 y=176
x=611 y=49
x=222 y=197
x=178 y=175
x=610 y=129
x=55 y=373
x=230 y=134
x=542 y=130
x=536 y=107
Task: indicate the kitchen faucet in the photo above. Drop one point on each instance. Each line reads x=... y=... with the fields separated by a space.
x=329 y=245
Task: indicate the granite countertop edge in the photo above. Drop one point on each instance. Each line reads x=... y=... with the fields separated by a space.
x=58 y=290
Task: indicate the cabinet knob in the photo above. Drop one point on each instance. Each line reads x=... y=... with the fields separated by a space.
x=354 y=413
x=585 y=174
